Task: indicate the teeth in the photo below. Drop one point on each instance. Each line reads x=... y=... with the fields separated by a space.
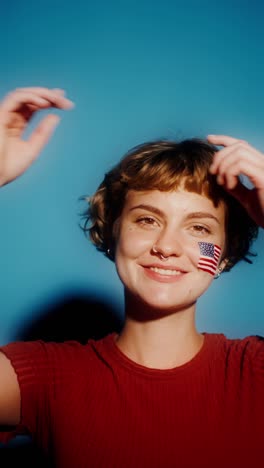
x=161 y=271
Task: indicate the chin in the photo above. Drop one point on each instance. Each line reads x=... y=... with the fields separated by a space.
x=171 y=307
x=145 y=308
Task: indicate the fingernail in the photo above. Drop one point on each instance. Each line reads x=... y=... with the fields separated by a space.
x=59 y=91
x=71 y=105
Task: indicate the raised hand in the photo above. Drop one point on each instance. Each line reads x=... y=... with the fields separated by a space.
x=236 y=158
x=16 y=110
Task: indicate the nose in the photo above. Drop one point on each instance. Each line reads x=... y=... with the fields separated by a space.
x=168 y=244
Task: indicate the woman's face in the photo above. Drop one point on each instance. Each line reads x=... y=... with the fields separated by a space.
x=172 y=224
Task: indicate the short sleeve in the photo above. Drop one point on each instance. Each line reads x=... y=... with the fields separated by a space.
x=42 y=369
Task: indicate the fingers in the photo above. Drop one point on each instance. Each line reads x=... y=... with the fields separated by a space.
x=228 y=175
x=231 y=144
x=41 y=135
x=223 y=140
x=54 y=96
x=40 y=97
x=236 y=158
x=225 y=155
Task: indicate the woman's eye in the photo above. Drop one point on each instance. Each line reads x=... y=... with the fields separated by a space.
x=146 y=220
x=199 y=229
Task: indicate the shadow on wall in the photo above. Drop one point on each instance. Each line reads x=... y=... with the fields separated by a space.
x=74 y=318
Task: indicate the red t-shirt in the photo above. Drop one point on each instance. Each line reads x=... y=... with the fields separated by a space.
x=91 y=406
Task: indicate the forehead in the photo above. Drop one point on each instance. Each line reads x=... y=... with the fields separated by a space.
x=178 y=202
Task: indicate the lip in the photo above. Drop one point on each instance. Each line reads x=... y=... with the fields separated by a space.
x=163 y=278
x=163 y=266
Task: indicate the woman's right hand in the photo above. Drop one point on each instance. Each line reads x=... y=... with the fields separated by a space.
x=16 y=110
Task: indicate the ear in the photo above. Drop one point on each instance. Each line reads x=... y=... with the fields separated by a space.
x=223 y=264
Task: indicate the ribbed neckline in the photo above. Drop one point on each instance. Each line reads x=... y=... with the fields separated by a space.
x=203 y=357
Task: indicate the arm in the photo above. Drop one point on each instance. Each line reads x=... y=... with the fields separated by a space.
x=16 y=155
x=9 y=394
x=238 y=157
x=16 y=111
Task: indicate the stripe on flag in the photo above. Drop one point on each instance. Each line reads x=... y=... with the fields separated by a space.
x=209 y=257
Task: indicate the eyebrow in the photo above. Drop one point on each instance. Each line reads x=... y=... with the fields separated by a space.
x=195 y=214
x=202 y=214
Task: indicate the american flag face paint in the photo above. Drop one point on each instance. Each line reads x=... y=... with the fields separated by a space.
x=209 y=257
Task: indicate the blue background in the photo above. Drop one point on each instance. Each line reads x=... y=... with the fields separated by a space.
x=136 y=71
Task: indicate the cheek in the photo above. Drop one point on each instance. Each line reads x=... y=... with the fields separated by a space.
x=209 y=257
x=132 y=243
x=192 y=252
x=204 y=282
x=204 y=264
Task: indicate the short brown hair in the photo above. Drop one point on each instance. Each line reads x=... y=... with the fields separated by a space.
x=165 y=165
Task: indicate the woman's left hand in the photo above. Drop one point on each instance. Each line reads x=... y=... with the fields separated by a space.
x=236 y=158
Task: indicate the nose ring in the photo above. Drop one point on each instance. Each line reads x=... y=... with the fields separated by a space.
x=161 y=256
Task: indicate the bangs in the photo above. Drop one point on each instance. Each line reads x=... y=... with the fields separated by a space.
x=172 y=170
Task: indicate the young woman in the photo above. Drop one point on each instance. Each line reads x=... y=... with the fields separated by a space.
x=172 y=216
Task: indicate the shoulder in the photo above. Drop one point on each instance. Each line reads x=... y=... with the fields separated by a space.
x=69 y=356
x=248 y=346
x=241 y=353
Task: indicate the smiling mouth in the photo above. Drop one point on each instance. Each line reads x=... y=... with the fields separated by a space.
x=163 y=271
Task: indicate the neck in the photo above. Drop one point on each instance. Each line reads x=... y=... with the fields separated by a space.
x=159 y=339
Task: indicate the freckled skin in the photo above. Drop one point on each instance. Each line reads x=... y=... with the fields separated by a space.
x=173 y=234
